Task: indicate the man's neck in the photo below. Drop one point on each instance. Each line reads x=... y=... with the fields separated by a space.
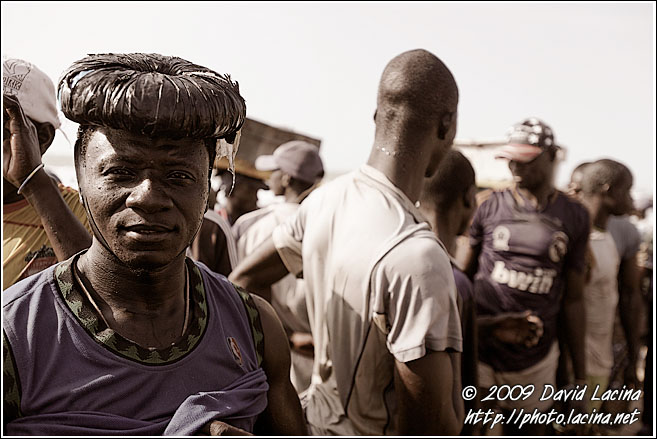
x=404 y=168
x=598 y=214
x=122 y=287
x=539 y=196
x=291 y=196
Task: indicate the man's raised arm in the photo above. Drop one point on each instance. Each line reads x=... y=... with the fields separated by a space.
x=258 y=271
x=22 y=156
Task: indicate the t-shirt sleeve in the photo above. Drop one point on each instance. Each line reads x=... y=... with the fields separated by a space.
x=288 y=237
x=414 y=287
x=633 y=241
x=476 y=230
x=576 y=259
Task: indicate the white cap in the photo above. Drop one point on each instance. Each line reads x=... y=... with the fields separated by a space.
x=34 y=90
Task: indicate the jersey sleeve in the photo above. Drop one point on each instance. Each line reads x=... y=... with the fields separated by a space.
x=414 y=287
x=288 y=237
x=633 y=241
x=476 y=231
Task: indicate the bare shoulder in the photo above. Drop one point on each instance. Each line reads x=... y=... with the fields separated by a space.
x=276 y=342
x=268 y=315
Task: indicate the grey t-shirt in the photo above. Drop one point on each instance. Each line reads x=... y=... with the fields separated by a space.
x=625 y=234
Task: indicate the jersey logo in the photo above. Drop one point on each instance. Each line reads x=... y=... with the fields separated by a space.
x=558 y=247
x=235 y=349
x=501 y=236
x=538 y=282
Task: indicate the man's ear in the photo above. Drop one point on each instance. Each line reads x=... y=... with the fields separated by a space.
x=46 y=134
x=285 y=180
x=445 y=124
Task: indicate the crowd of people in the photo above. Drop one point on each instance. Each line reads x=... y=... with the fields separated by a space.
x=139 y=305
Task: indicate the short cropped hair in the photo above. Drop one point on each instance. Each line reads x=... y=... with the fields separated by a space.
x=603 y=172
x=454 y=177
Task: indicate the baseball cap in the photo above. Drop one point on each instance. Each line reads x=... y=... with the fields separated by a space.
x=526 y=140
x=297 y=158
x=33 y=89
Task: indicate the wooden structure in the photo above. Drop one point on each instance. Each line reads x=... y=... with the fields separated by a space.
x=258 y=139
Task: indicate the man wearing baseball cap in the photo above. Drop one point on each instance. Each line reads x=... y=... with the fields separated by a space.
x=295 y=168
x=43 y=222
x=527 y=254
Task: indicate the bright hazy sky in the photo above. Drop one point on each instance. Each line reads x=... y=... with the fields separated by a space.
x=587 y=69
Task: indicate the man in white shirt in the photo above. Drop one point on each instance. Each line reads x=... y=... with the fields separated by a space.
x=605 y=191
x=295 y=168
x=381 y=296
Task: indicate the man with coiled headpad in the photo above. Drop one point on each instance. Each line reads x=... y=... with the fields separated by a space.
x=130 y=336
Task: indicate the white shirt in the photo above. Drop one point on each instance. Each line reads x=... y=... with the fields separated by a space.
x=600 y=301
x=288 y=294
x=379 y=287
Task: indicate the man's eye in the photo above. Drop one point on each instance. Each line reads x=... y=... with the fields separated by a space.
x=180 y=175
x=120 y=172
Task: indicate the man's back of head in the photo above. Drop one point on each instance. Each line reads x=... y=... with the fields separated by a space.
x=454 y=178
x=415 y=88
x=610 y=181
x=603 y=172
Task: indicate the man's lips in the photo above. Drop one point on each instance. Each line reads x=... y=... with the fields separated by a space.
x=148 y=229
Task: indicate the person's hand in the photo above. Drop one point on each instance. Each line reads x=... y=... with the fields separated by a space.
x=220 y=428
x=302 y=343
x=20 y=147
x=525 y=329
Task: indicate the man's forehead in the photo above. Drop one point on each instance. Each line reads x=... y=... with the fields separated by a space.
x=108 y=141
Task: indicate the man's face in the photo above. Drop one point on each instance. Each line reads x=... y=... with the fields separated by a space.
x=244 y=197
x=618 y=199
x=441 y=148
x=275 y=182
x=575 y=185
x=469 y=206
x=147 y=195
x=533 y=174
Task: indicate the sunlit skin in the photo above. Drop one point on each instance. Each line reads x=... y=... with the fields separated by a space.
x=275 y=183
x=147 y=195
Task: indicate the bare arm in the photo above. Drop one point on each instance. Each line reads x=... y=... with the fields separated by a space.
x=429 y=394
x=22 y=154
x=573 y=308
x=211 y=248
x=283 y=415
x=258 y=271
x=65 y=232
x=628 y=305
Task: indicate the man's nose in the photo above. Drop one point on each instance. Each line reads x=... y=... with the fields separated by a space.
x=149 y=197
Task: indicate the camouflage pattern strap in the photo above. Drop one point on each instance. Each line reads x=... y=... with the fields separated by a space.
x=11 y=386
x=255 y=323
